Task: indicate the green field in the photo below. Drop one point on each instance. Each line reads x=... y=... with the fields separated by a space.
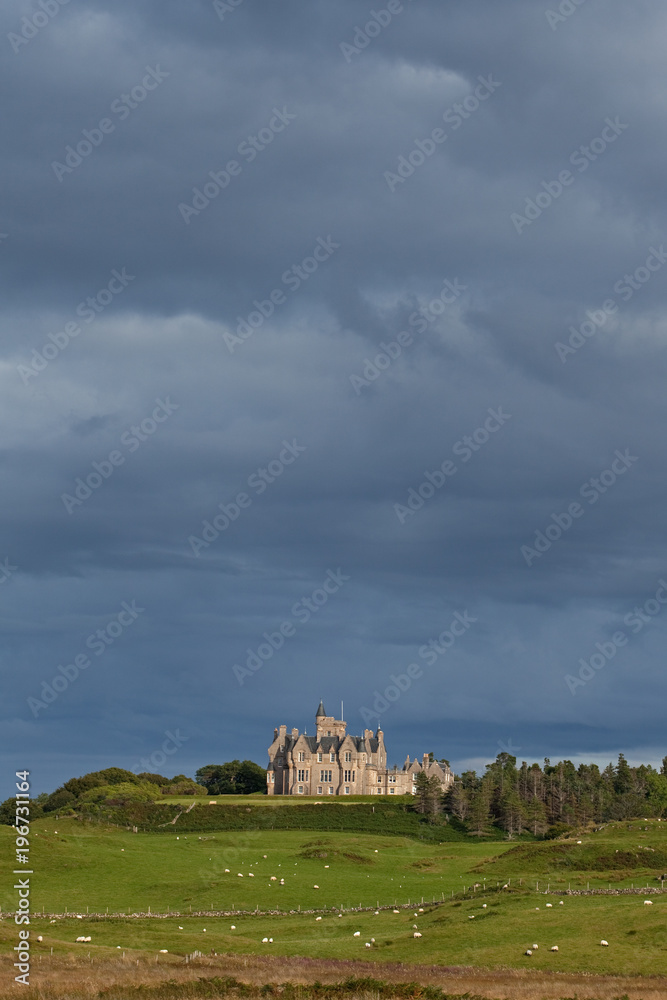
x=85 y=866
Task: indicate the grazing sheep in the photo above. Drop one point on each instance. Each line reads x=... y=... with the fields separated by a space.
x=204 y=930
x=416 y=934
x=528 y=952
x=227 y=870
x=180 y=928
x=357 y=934
x=554 y=948
x=648 y=902
x=318 y=918
x=340 y=914
x=421 y=909
x=549 y=905
x=233 y=927
x=471 y=916
x=561 y=903
x=164 y=951
x=239 y=874
x=39 y=937
x=270 y=940
x=535 y=947
x=367 y=945
x=605 y=944
x=251 y=874
x=326 y=866
x=265 y=940
x=483 y=906
x=396 y=911
x=537 y=907
x=79 y=939
x=377 y=913
x=316 y=887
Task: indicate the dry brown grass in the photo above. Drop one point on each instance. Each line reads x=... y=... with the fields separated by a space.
x=57 y=978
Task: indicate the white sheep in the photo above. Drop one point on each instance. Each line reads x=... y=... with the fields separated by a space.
x=239 y=874
x=270 y=940
x=549 y=905
x=265 y=940
x=416 y=934
x=164 y=951
x=471 y=916
x=377 y=913
x=367 y=944
x=227 y=870
x=483 y=906
x=233 y=927
x=648 y=902
x=561 y=903
x=318 y=918
x=316 y=887
x=357 y=934
x=39 y=937
x=414 y=927
x=251 y=874
x=535 y=947
x=528 y=952
x=421 y=909
x=554 y=948
x=605 y=944
x=340 y=914
x=396 y=911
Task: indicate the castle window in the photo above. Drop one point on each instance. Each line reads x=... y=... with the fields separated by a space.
x=302 y=755
x=273 y=777
x=332 y=758
x=325 y=775
x=353 y=776
x=348 y=776
x=392 y=777
x=319 y=789
x=302 y=776
x=379 y=778
x=300 y=789
x=319 y=758
x=348 y=756
x=347 y=789
x=331 y=791
x=391 y=791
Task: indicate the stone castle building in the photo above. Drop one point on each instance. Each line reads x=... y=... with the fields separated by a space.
x=334 y=763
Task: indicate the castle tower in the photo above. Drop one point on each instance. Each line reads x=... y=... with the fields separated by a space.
x=327 y=725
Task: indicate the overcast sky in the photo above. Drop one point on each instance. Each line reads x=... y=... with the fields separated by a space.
x=382 y=296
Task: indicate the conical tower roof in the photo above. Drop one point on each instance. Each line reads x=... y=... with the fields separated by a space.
x=320 y=710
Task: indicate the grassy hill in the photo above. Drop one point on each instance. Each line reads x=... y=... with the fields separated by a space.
x=87 y=865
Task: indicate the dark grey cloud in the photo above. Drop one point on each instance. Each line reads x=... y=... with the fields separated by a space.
x=113 y=301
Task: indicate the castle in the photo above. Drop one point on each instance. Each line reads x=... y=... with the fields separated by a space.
x=334 y=763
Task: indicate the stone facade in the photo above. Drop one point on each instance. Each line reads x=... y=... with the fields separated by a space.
x=334 y=763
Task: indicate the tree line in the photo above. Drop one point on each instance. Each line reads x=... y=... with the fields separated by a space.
x=545 y=800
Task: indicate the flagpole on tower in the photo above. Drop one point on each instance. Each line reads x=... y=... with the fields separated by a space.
x=341 y=711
